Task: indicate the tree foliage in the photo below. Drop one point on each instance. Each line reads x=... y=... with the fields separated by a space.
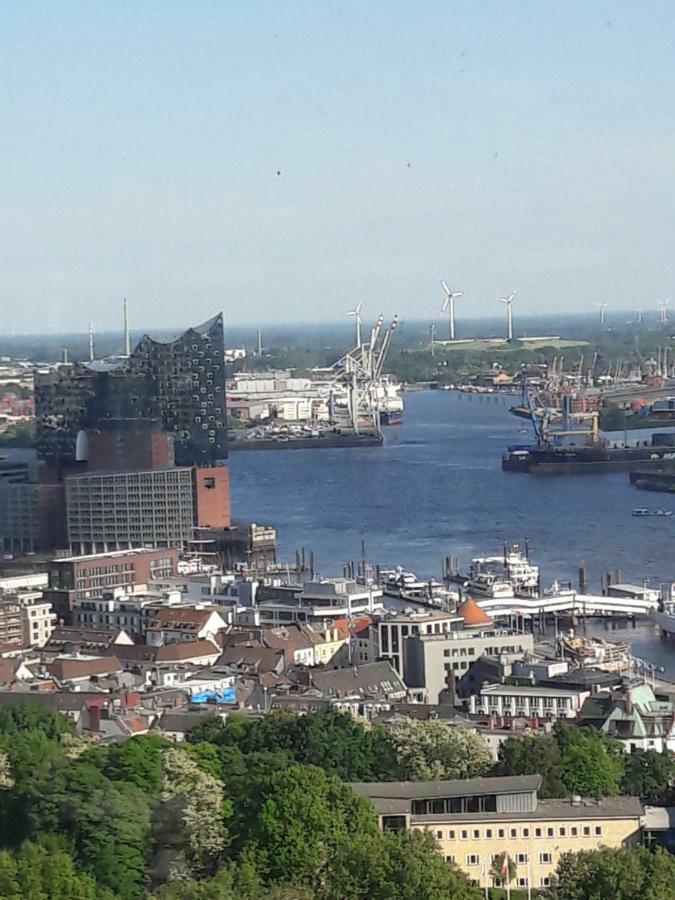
x=258 y=810
x=40 y=873
x=107 y=824
x=330 y=739
x=431 y=749
x=139 y=761
x=571 y=760
x=626 y=873
x=189 y=820
x=650 y=775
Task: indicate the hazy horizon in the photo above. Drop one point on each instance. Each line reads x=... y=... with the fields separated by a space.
x=285 y=161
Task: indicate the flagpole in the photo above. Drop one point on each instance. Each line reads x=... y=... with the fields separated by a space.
x=529 y=876
x=486 y=872
x=508 y=879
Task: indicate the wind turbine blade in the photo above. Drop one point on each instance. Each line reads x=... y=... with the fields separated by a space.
x=445 y=287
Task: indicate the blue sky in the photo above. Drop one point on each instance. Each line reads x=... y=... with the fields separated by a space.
x=496 y=144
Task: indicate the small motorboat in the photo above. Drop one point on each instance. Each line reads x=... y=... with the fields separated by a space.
x=644 y=511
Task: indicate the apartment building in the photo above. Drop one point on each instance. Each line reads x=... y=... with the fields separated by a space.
x=38 y=620
x=74 y=578
x=528 y=700
x=11 y=624
x=476 y=820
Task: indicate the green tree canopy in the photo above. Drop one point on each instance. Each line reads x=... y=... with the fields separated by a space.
x=650 y=775
x=107 y=824
x=533 y=754
x=38 y=873
x=591 y=764
x=138 y=761
x=302 y=825
x=330 y=739
x=626 y=873
x=571 y=760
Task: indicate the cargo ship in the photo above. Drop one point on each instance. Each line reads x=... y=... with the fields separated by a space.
x=549 y=459
x=570 y=448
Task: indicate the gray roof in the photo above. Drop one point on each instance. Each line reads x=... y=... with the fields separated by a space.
x=548 y=811
x=180 y=722
x=460 y=787
x=370 y=679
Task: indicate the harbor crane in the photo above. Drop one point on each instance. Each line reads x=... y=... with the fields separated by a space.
x=360 y=373
x=509 y=313
x=449 y=304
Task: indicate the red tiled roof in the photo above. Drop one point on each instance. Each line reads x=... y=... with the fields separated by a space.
x=134 y=724
x=181 y=616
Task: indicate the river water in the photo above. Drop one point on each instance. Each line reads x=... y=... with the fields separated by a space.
x=436 y=488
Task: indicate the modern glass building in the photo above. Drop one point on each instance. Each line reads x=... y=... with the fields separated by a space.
x=179 y=384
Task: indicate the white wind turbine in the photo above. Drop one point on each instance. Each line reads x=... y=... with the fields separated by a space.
x=356 y=312
x=663 y=311
x=449 y=303
x=509 y=314
x=602 y=307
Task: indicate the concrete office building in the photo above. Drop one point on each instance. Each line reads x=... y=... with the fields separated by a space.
x=531 y=701
x=434 y=663
x=153 y=508
x=393 y=632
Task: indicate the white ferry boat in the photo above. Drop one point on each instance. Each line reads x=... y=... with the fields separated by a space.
x=407 y=586
x=490 y=584
x=512 y=566
x=665 y=617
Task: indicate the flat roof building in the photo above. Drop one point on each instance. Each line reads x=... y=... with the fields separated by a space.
x=474 y=820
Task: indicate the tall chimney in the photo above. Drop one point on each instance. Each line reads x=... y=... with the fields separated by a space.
x=91 y=342
x=94 y=717
x=127 y=337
